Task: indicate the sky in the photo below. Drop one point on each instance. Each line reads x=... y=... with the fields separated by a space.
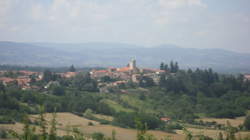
x=187 y=23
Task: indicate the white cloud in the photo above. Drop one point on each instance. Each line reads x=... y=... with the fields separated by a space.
x=174 y=4
x=176 y=11
x=4 y=10
x=67 y=11
x=131 y=21
x=197 y=3
x=4 y=7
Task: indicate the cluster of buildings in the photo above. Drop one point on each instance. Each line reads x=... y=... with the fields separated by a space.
x=20 y=78
x=247 y=77
x=120 y=76
x=24 y=78
x=129 y=73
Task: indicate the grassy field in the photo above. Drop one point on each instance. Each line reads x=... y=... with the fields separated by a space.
x=68 y=120
x=139 y=104
x=103 y=117
x=212 y=133
x=116 y=106
x=234 y=122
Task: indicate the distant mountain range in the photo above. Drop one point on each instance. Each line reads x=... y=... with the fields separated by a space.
x=116 y=54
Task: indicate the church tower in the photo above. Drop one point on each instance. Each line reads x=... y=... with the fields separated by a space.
x=132 y=64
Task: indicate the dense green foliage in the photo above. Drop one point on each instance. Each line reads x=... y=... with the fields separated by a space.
x=72 y=68
x=204 y=91
x=181 y=95
x=128 y=119
x=247 y=123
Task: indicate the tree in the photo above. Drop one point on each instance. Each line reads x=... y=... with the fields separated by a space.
x=58 y=90
x=176 y=67
x=42 y=124
x=113 y=135
x=162 y=80
x=166 y=68
x=28 y=132
x=50 y=76
x=83 y=81
x=171 y=66
x=141 y=129
x=52 y=134
x=106 y=79
x=47 y=75
x=230 y=132
x=220 y=137
x=247 y=123
x=72 y=68
x=2 y=87
x=97 y=136
x=88 y=113
x=146 y=82
x=162 y=66
x=32 y=79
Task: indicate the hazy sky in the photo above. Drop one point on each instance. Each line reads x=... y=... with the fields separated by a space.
x=187 y=23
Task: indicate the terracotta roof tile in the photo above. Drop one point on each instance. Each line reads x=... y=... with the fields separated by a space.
x=124 y=69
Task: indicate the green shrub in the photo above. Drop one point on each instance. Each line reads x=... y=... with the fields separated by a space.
x=3 y=134
x=90 y=124
x=97 y=136
x=247 y=123
x=6 y=120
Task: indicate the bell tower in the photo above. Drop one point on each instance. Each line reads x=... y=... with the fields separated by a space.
x=132 y=64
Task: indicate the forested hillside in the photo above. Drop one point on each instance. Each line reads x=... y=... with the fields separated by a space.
x=182 y=95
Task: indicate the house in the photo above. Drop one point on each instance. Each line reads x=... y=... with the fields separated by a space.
x=97 y=74
x=148 y=70
x=247 y=77
x=23 y=81
x=165 y=119
x=6 y=80
x=130 y=72
x=2 y=72
x=124 y=69
x=117 y=83
x=27 y=73
x=69 y=74
x=136 y=78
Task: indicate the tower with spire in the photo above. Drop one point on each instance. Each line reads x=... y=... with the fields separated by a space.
x=132 y=64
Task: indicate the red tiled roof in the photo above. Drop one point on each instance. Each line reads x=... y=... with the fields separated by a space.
x=101 y=71
x=23 y=81
x=165 y=119
x=69 y=74
x=6 y=79
x=124 y=69
x=247 y=76
x=27 y=72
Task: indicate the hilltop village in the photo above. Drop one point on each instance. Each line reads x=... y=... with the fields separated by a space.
x=106 y=78
x=24 y=79
x=121 y=76
x=166 y=98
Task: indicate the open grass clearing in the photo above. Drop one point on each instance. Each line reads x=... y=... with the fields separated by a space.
x=66 y=121
x=234 y=122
